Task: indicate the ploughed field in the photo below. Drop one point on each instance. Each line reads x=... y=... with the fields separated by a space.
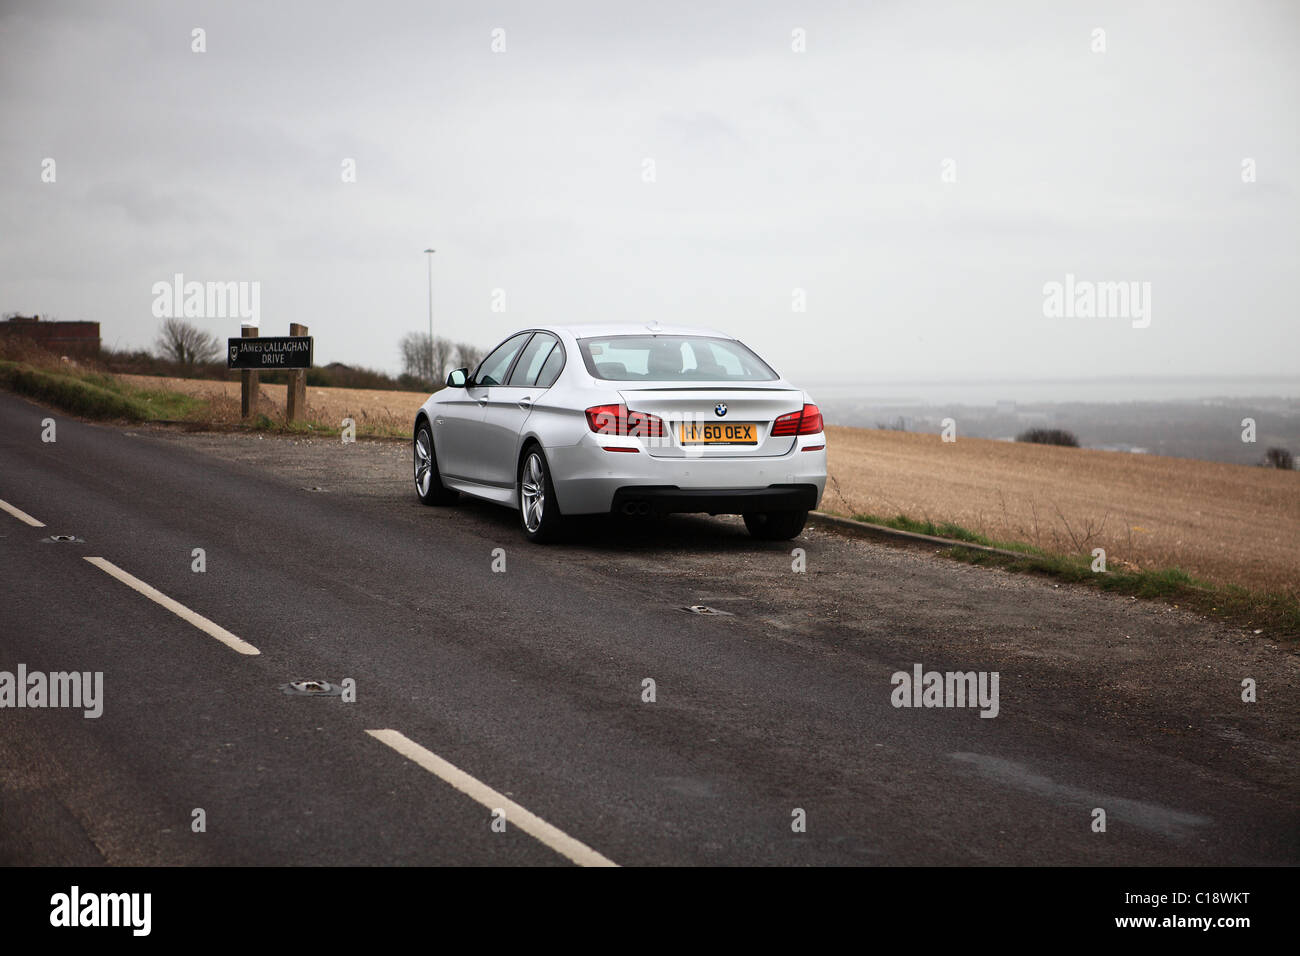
x=1230 y=524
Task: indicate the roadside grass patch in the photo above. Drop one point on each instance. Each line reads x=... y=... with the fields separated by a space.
x=223 y=414
x=316 y=428
x=945 y=529
x=71 y=393
x=90 y=393
x=1276 y=613
x=169 y=406
x=93 y=394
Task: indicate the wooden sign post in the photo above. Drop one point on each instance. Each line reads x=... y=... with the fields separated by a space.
x=248 y=384
x=292 y=353
x=295 y=405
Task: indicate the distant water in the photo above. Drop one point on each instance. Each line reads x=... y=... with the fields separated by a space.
x=1039 y=391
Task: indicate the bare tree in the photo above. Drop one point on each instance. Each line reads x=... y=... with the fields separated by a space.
x=468 y=356
x=181 y=342
x=417 y=356
x=425 y=363
x=442 y=352
x=432 y=363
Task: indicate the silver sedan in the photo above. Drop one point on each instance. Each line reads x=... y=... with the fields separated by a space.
x=633 y=420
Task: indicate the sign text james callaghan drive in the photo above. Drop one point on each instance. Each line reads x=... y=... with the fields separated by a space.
x=280 y=352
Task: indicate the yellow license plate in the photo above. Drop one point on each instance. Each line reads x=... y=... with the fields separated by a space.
x=735 y=433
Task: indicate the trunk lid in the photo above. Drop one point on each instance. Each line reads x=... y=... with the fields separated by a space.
x=691 y=413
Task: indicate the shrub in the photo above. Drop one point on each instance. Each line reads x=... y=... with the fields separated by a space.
x=1049 y=436
x=1279 y=458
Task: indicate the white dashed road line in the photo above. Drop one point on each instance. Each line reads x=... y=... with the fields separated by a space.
x=21 y=515
x=530 y=823
x=180 y=610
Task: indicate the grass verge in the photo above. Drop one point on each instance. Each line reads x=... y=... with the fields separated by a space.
x=1276 y=613
x=93 y=395
x=945 y=529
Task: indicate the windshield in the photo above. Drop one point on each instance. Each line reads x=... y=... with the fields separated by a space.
x=672 y=358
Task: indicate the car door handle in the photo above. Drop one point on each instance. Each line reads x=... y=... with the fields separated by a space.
x=526 y=402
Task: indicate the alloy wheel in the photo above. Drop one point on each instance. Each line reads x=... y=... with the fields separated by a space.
x=532 y=492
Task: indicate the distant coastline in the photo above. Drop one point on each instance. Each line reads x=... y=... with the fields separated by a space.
x=1113 y=389
x=1151 y=418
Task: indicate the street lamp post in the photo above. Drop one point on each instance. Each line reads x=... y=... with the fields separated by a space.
x=432 y=372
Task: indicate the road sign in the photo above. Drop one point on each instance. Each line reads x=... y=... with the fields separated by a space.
x=287 y=351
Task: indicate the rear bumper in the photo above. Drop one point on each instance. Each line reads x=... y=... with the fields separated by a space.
x=649 y=499
x=587 y=480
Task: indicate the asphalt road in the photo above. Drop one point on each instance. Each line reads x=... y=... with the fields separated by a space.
x=530 y=682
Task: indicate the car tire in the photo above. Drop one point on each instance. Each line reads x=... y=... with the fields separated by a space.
x=539 y=513
x=775 y=525
x=428 y=480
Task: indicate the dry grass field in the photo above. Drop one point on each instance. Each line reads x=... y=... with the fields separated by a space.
x=375 y=407
x=1228 y=524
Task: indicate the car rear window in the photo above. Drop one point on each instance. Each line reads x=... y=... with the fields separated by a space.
x=672 y=358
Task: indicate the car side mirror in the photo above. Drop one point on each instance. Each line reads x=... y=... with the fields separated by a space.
x=457 y=377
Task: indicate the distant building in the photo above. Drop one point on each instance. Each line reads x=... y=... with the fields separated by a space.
x=62 y=338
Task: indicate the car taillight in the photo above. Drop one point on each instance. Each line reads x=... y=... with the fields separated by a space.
x=617 y=420
x=807 y=421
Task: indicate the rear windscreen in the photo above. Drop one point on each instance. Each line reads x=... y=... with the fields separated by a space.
x=672 y=358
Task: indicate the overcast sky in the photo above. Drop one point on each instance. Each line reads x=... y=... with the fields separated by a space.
x=774 y=170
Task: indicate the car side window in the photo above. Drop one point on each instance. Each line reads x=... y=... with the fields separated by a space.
x=551 y=368
x=530 y=362
x=492 y=370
